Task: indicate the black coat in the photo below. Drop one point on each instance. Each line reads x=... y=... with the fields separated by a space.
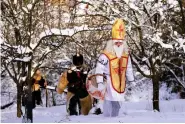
x=77 y=80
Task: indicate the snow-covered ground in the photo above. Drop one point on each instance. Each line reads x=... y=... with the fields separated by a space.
x=135 y=112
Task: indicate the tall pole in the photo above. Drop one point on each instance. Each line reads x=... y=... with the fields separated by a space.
x=46 y=97
x=44 y=76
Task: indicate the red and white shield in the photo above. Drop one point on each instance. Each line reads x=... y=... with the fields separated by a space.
x=92 y=86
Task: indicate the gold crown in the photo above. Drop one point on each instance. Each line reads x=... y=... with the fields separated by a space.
x=118 y=30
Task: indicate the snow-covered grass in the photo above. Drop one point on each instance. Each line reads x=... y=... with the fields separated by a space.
x=135 y=112
x=136 y=108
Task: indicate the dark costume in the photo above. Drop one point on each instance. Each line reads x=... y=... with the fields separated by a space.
x=78 y=99
x=36 y=93
x=37 y=82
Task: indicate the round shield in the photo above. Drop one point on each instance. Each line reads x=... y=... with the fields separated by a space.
x=92 y=85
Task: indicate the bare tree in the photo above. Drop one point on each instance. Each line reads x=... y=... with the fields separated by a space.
x=23 y=23
x=155 y=49
x=154 y=41
x=29 y=37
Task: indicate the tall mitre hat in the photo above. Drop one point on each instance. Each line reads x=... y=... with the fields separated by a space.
x=118 y=30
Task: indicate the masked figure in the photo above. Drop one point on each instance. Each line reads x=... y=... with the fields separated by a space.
x=78 y=99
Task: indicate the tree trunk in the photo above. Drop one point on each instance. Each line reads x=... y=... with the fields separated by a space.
x=155 y=81
x=29 y=105
x=19 y=92
x=182 y=15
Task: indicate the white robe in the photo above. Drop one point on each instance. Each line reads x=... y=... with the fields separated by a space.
x=102 y=67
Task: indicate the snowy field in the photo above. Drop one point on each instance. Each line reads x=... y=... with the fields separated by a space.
x=172 y=111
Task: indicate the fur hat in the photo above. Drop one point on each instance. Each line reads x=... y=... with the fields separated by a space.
x=78 y=60
x=37 y=75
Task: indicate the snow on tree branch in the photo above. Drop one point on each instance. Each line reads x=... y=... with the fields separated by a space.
x=156 y=38
x=67 y=32
x=179 y=81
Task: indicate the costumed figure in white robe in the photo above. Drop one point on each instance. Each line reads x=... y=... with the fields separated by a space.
x=114 y=62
